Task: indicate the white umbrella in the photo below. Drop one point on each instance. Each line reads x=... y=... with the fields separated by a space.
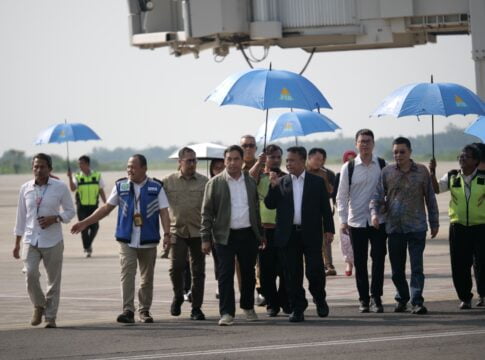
x=204 y=151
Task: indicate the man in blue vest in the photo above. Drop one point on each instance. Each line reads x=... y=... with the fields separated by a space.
x=141 y=201
x=467 y=223
x=89 y=186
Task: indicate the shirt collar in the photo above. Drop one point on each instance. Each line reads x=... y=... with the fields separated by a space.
x=140 y=184
x=358 y=159
x=413 y=167
x=193 y=177
x=471 y=176
x=230 y=178
x=32 y=183
x=301 y=177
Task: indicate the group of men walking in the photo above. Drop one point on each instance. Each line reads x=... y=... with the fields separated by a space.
x=253 y=213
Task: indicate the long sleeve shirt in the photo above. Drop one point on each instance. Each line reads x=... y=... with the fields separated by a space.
x=46 y=200
x=353 y=202
x=402 y=196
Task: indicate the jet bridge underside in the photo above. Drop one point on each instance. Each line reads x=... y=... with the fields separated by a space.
x=192 y=26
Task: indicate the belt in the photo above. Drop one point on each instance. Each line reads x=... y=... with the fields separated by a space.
x=297 y=228
x=242 y=229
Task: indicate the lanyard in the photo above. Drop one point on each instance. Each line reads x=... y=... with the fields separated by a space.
x=38 y=197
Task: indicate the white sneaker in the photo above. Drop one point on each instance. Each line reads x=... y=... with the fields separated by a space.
x=250 y=315
x=226 y=320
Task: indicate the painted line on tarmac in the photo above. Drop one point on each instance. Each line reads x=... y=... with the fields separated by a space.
x=296 y=346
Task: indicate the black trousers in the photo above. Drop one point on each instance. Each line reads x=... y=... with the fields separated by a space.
x=88 y=234
x=243 y=245
x=467 y=243
x=271 y=269
x=360 y=239
x=291 y=258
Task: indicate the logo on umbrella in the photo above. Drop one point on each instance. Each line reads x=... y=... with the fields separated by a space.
x=288 y=126
x=285 y=95
x=62 y=133
x=459 y=102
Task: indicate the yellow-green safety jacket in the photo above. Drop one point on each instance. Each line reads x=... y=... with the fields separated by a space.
x=87 y=193
x=465 y=211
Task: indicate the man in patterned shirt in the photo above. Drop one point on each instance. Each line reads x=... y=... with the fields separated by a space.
x=402 y=193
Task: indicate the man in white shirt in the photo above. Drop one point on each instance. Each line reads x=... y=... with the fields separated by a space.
x=39 y=223
x=303 y=216
x=141 y=201
x=231 y=218
x=353 y=199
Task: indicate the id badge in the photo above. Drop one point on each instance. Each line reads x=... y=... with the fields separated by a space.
x=137 y=219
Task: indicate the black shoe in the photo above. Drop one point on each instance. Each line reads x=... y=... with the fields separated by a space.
x=376 y=306
x=126 y=317
x=287 y=309
x=273 y=312
x=296 y=316
x=175 y=308
x=400 y=307
x=481 y=302
x=419 y=310
x=145 y=317
x=197 y=314
x=364 y=307
x=465 y=305
x=322 y=309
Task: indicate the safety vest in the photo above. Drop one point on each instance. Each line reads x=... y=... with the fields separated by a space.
x=268 y=216
x=149 y=210
x=87 y=188
x=462 y=211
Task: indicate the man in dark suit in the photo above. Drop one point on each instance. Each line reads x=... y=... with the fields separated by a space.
x=302 y=207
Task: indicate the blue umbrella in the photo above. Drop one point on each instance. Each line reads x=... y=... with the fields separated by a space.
x=477 y=128
x=298 y=123
x=266 y=89
x=66 y=132
x=431 y=99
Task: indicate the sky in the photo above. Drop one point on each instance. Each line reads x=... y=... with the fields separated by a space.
x=72 y=59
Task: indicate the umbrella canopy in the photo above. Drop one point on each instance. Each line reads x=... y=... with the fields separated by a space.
x=204 y=151
x=297 y=123
x=477 y=128
x=267 y=89
x=431 y=99
x=66 y=132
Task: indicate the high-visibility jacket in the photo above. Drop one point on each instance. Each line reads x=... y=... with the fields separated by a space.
x=465 y=211
x=88 y=188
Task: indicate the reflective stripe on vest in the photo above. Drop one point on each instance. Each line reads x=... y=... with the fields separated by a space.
x=461 y=211
x=88 y=188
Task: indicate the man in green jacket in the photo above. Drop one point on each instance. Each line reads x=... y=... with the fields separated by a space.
x=467 y=223
x=230 y=218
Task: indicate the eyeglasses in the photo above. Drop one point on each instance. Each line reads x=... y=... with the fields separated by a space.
x=365 y=141
x=248 y=146
x=464 y=157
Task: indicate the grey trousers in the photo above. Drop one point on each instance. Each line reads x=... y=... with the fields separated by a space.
x=52 y=259
x=129 y=258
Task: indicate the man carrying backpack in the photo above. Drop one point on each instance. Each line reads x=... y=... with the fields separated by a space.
x=358 y=181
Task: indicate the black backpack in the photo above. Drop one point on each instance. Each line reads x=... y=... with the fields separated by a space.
x=382 y=164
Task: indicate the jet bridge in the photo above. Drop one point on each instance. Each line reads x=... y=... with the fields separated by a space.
x=191 y=26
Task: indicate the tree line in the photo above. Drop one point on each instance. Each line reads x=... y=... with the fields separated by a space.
x=447 y=146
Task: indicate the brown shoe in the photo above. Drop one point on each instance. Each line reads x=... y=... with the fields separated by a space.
x=50 y=324
x=37 y=316
x=145 y=317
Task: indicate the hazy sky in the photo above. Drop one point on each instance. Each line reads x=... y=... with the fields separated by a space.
x=71 y=59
